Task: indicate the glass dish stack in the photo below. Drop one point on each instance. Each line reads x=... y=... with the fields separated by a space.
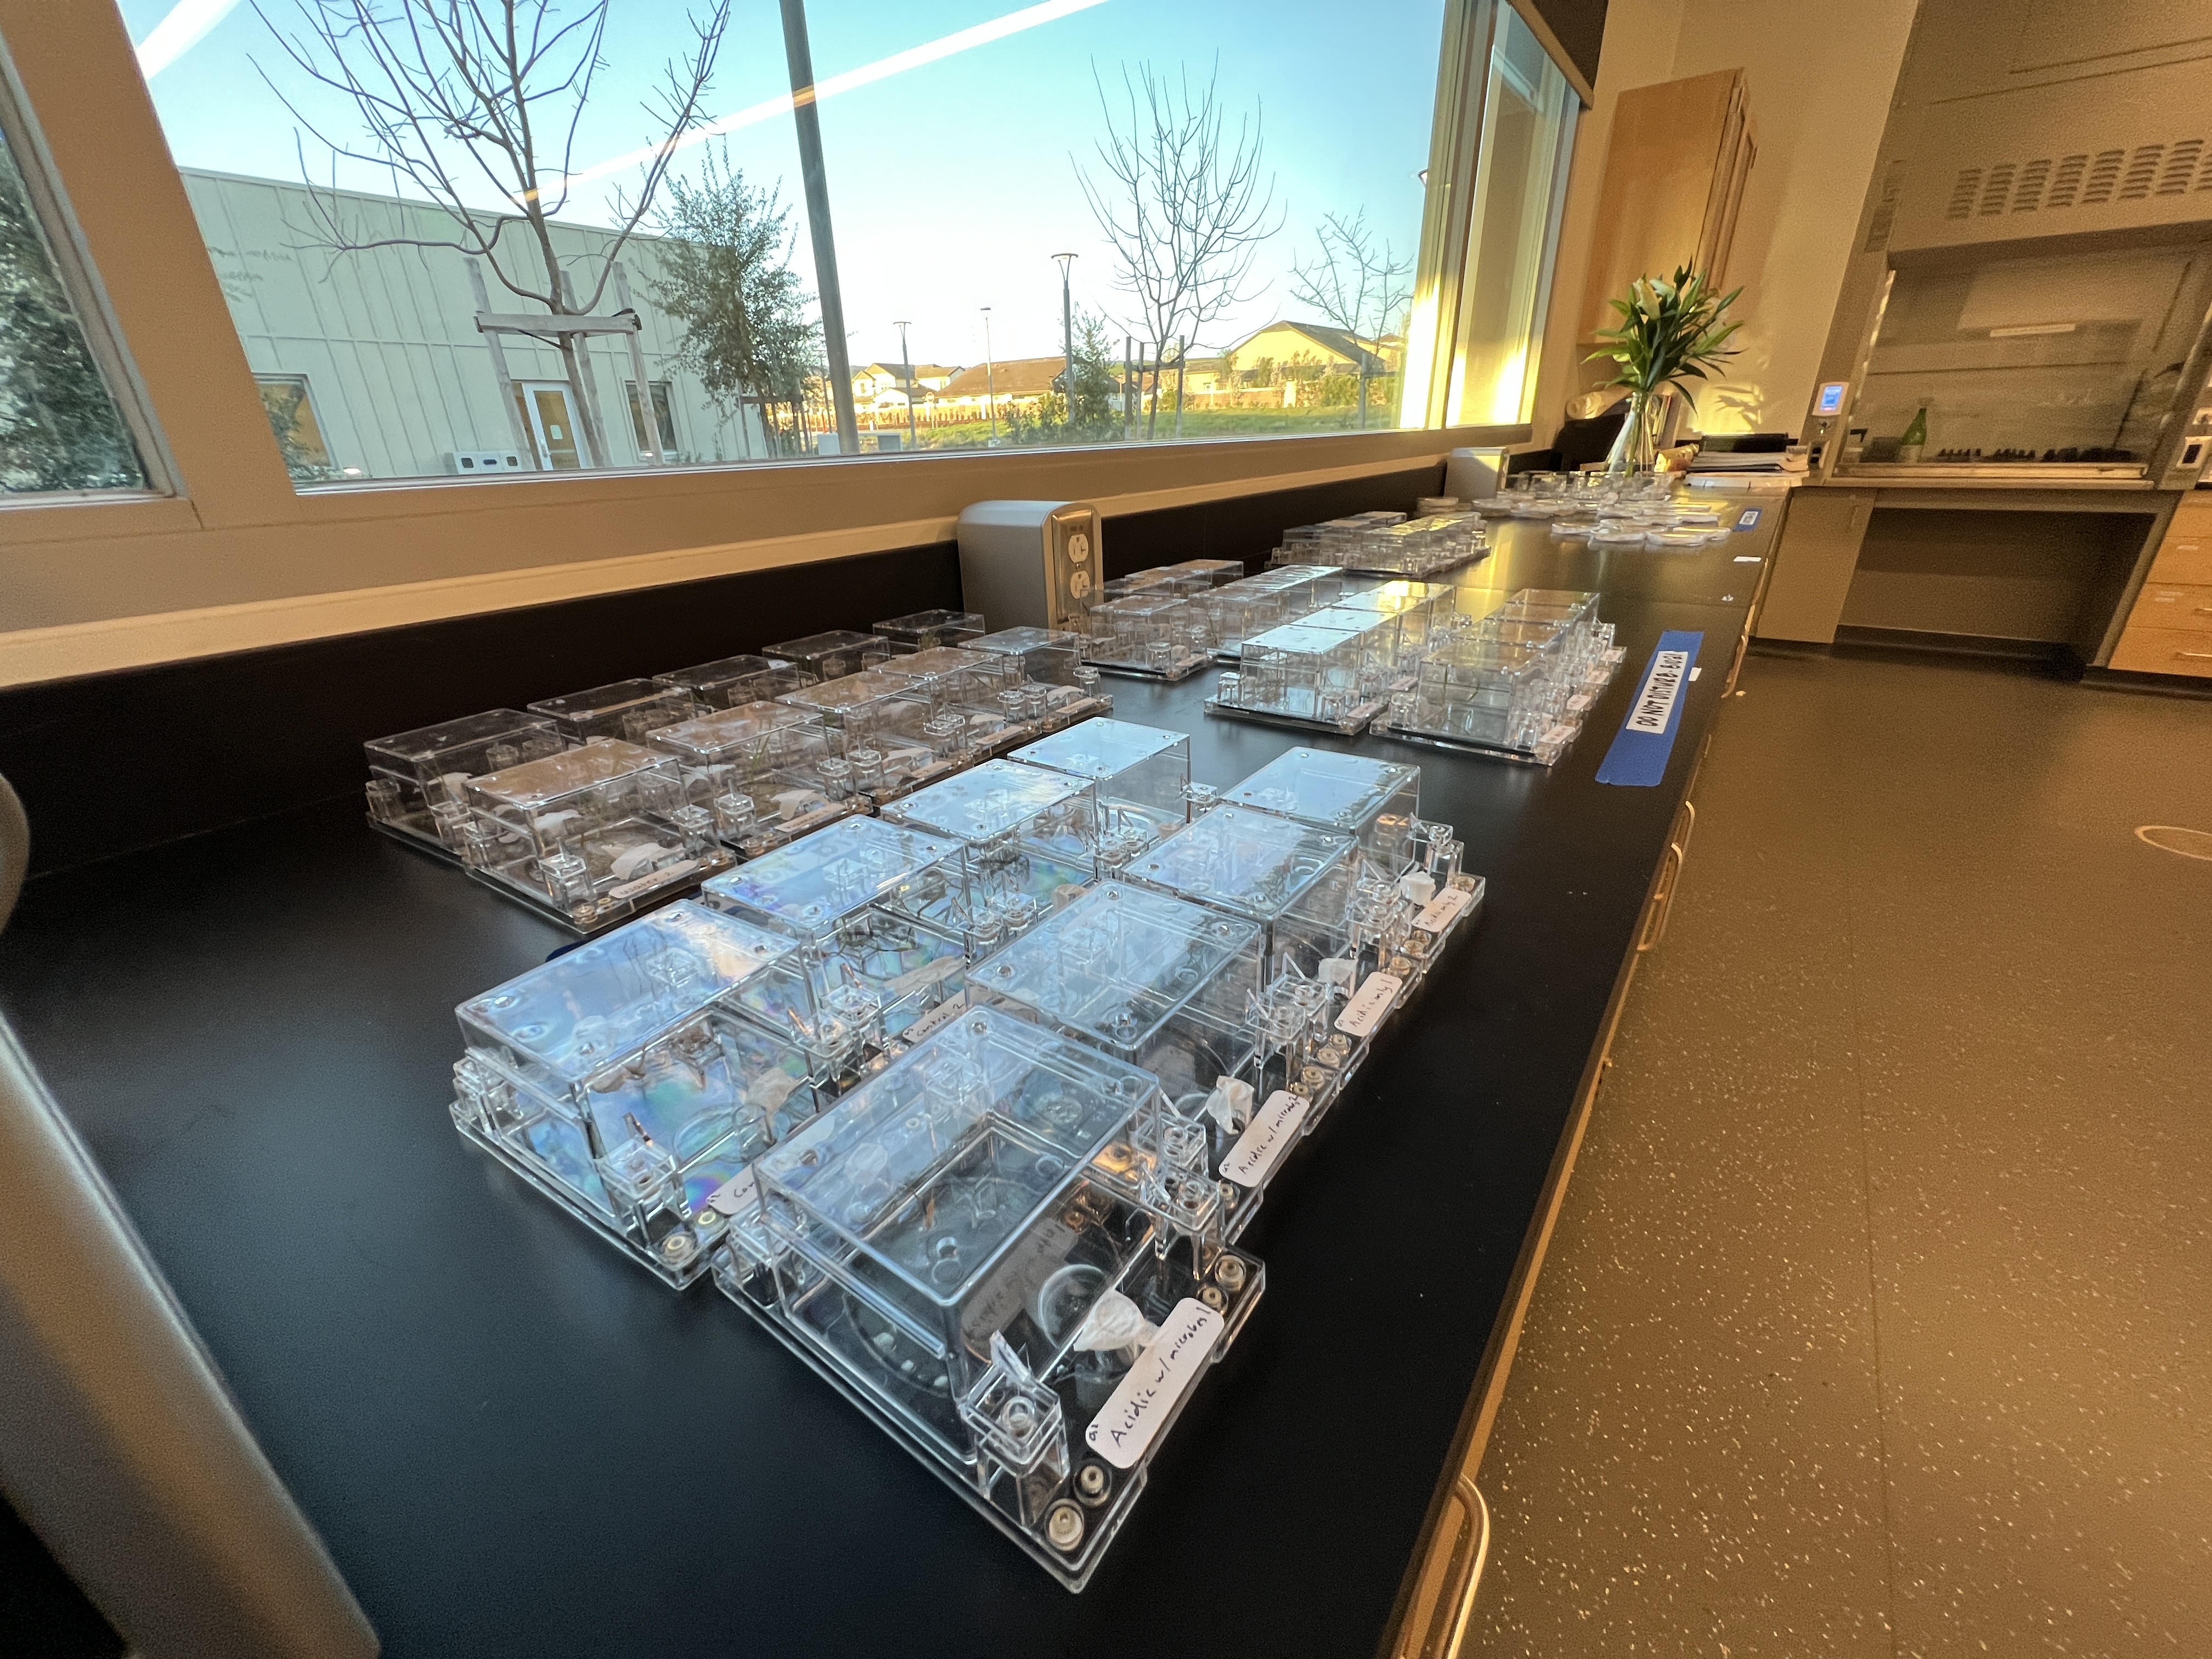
x=1029 y=833
x=633 y=1079
x=986 y=1250
x=876 y=913
x=764 y=770
x=417 y=780
x=1518 y=683
x=1160 y=984
x=590 y=836
x=1141 y=776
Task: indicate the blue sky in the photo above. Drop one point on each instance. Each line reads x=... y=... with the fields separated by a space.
x=952 y=184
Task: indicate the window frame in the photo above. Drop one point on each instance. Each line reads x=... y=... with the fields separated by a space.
x=79 y=278
x=218 y=563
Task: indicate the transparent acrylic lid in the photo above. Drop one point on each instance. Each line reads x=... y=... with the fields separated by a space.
x=1255 y=863
x=711 y=737
x=1099 y=748
x=923 y=624
x=536 y=783
x=721 y=671
x=942 y=660
x=839 y=697
x=1119 y=962
x=601 y=701
x=422 y=749
x=822 y=645
x=583 y=1011
x=1015 y=640
x=1340 y=792
x=810 y=883
x=986 y=801
x=965 y=1140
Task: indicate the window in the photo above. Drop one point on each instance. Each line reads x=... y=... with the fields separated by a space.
x=299 y=434
x=1526 y=127
x=663 y=419
x=455 y=296
x=60 y=430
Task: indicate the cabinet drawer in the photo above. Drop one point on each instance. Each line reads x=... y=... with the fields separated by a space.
x=2172 y=605
x=2164 y=650
x=2185 y=555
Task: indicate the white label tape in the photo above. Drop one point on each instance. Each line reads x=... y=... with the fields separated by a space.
x=1266 y=1139
x=938 y=1016
x=738 y=1195
x=1376 y=995
x=1440 y=912
x=1143 y=1400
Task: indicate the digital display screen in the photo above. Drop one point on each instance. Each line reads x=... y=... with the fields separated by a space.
x=1831 y=397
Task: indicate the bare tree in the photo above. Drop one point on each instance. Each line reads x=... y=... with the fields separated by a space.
x=462 y=99
x=1354 y=285
x=1183 y=201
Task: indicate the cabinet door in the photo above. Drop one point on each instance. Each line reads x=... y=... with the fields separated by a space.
x=1815 y=560
x=1668 y=143
x=2185 y=556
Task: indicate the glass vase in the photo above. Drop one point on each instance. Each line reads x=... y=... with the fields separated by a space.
x=1636 y=447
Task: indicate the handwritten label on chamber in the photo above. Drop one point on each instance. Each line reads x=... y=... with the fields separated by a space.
x=1266 y=1139
x=1440 y=912
x=1145 y=1399
x=1656 y=702
x=738 y=1195
x=1376 y=995
x=938 y=1016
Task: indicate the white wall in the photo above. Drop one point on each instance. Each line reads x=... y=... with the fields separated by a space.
x=1820 y=82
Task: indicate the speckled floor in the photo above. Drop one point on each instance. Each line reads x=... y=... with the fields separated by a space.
x=1879 y=1316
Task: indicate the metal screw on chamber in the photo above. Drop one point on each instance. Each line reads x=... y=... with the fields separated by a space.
x=1094 y=1484
x=679 y=1247
x=1211 y=1295
x=1063 y=1526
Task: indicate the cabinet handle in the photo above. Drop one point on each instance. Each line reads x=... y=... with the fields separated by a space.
x=2196 y=656
x=1439 y=1636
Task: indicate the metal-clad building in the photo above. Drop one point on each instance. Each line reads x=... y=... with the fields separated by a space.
x=375 y=362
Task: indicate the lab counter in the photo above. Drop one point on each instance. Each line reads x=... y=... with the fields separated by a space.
x=517 y=1442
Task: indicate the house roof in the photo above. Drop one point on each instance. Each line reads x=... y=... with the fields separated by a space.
x=898 y=371
x=1009 y=377
x=1338 y=343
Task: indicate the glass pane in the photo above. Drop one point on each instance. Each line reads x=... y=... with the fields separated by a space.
x=660 y=233
x=1527 y=108
x=59 y=428
x=299 y=434
x=2048 y=357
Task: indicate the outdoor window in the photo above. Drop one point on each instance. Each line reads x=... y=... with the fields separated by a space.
x=60 y=430
x=661 y=439
x=1527 y=126
x=299 y=434
x=1205 y=226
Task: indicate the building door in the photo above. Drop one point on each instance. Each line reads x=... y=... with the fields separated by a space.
x=552 y=423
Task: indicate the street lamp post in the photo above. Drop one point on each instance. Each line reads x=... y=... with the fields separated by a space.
x=1067 y=333
x=990 y=386
x=911 y=441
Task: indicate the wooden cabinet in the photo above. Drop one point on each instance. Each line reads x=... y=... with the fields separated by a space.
x=2169 y=631
x=1674 y=174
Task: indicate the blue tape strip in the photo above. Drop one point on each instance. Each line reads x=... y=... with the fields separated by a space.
x=1639 y=753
